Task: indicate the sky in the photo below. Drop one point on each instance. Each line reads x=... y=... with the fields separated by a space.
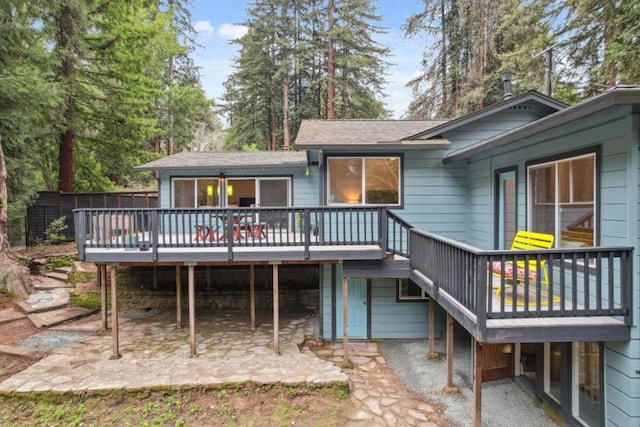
x=217 y=22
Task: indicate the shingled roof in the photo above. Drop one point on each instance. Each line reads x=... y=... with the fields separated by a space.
x=226 y=159
x=366 y=134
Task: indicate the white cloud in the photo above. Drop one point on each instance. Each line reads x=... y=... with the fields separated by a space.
x=203 y=28
x=232 y=31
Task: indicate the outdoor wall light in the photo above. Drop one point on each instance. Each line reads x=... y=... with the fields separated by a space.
x=222 y=184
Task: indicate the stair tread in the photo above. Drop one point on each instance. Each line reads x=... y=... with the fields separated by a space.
x=51 y=284
x=55 y=317
x=55 y=275
x=10 y=315
x=20 y=351
x=45 y=300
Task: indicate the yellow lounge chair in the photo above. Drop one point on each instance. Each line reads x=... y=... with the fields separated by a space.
x=526 y=240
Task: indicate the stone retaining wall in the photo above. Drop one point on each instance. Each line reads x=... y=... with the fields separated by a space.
x=235 y=300
x=219 y=287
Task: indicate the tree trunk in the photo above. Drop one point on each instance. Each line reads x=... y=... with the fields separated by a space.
x=170 y=141
x=443 y=58
x=13 y=275
x=65 y=162
x=273 y=119
x=285 y=113
x=331 y=71
x=170 y=73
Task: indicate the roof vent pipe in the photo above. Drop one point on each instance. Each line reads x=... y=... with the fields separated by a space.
x=506 y=81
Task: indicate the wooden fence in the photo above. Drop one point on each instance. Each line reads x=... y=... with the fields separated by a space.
x=51 y=205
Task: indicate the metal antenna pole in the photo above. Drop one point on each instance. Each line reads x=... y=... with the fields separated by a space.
x=548 y=53
x=547 y=79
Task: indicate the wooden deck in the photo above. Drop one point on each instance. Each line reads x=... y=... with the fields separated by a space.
x=259 y=235
x=239 y=254
x=546 y=328
x=588 y=297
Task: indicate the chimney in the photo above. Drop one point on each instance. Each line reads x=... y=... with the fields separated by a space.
x=506 y=81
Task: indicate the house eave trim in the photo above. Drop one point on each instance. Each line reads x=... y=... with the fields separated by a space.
x=586 y=108
x=469 y=118
x=435 y=144
x=210 y=167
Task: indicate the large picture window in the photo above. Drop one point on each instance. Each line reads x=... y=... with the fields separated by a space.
x=195 y=192
x=562 y=199
x=363 y=180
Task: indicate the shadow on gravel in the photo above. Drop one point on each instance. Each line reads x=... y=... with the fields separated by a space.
x=503 y=401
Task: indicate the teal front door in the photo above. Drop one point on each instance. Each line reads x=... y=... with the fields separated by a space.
x=356 y=309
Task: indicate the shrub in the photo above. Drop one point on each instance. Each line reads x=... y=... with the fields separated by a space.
x=54 y=231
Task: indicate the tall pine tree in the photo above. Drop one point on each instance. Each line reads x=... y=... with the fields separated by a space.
x=282 y=72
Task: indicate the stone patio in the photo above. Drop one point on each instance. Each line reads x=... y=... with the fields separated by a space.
x=156 y=354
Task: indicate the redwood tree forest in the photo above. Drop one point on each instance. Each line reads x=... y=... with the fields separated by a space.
x=303 y=59
x=575 y=48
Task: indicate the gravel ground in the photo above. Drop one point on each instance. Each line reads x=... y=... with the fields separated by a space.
x=50 y=340
x=504 y=403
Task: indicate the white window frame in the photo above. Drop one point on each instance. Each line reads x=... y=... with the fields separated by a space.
x=404 y=298
x=532 y=193
x=195 y=190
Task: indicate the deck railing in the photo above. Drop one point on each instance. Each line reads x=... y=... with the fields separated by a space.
x=397 y=235
x=151 y=229
x=581 y=281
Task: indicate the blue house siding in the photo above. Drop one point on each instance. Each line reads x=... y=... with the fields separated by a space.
x=327 y=300
x=393 y=319
x=480 y=187
x=496 y=124
x=389 y=318
x=622 y=391
x=434 y=195
x=608 y=133
x=615 y=131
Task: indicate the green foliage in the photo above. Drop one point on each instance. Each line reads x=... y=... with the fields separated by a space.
x=304 y=405
x=62 y=261
x=98 y=74
x=4 y=287
x=282 y=75
x=591 y=45
x=90 y=300
x=54 y=231
x=28 y=100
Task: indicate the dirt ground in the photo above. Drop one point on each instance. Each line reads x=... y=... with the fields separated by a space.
x=11 y=334
x=46 y=250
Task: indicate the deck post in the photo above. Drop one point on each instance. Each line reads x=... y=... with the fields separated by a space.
x=432 y=355
x=252 y=295
x=477 y=384
x=114 y=315
x=345 y=320
x=276 y=311
x=192 y=311
x=103 y=295
x=155 y=277
x=178 y=297
x=450 y=388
